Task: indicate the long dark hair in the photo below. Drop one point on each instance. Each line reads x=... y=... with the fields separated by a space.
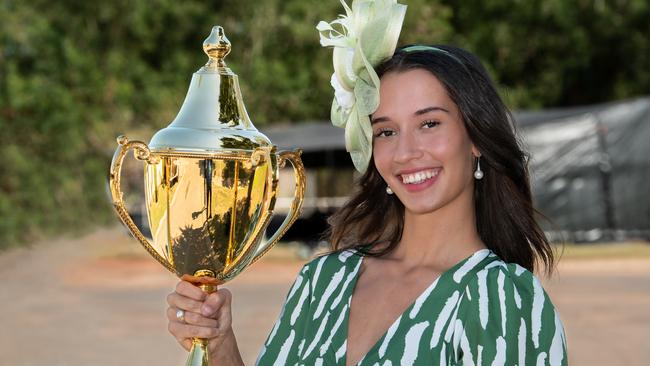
x=372 y=221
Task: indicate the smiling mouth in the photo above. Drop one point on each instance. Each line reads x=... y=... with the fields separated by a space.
x=419 y=177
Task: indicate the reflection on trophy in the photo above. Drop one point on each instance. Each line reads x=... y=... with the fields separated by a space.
x=210 y=183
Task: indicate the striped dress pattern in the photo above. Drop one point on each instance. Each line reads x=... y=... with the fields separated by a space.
x=482 y=311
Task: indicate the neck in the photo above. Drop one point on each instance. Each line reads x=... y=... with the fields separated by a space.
x=442 y=237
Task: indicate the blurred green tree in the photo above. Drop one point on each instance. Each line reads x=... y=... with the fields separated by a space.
x=547 y=53
x=74 y=75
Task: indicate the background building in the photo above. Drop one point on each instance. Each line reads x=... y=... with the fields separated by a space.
x=590 y=170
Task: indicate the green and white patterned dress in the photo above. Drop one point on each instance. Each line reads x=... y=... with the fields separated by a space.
x=482 y=311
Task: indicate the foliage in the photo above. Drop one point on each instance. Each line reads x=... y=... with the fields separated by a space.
x=560 y=52
x=73 y=75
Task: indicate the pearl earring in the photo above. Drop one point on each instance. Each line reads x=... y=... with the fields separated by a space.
x=478 y=174
x=388 y=190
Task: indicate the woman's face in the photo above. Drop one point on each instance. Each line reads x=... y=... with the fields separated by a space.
x=420 y=145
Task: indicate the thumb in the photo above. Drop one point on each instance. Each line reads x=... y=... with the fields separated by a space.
x=215 y=303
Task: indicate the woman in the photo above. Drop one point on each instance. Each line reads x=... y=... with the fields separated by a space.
x=432 y=256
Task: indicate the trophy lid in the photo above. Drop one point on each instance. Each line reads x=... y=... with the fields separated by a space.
x=213 y=116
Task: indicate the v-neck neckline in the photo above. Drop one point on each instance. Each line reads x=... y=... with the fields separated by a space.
x=426 y=291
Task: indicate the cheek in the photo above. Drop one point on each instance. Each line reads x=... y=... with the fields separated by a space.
x=381 y=156
x=452 y=152
x=440 y=146
x=448 y=144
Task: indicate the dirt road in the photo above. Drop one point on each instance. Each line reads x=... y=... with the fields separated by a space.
x=100 y=300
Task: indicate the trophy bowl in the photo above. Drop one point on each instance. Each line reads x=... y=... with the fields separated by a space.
x=210 y=181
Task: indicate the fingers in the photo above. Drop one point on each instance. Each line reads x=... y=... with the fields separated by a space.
x=189 y=290
x=194 y=325
x=182 y=331
x=206 y=316
x=191 y=318
x=176 y=300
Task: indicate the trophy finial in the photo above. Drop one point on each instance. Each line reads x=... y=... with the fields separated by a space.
x=216 y=46
x=213 y=103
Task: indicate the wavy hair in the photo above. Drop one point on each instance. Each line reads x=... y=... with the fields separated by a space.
x=372 y=221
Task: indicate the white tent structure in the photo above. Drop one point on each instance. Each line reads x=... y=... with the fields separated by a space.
x=591 y=169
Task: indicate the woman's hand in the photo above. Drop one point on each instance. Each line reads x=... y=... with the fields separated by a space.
x=205 y=316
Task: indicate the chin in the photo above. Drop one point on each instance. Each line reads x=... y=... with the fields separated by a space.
x=421 y=208
x=427 y=204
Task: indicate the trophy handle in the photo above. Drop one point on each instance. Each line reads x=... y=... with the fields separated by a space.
x=141 y=152
x=296 y=205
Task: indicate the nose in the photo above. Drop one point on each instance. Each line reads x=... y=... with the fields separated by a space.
x=406 y=149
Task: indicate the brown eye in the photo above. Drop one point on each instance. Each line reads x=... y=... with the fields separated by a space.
x=430 y=124
x=384 y=133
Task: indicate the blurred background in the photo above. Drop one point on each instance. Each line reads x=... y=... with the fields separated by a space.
x=74 y=75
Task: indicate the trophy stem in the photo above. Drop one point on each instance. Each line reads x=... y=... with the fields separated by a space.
x=199 y=352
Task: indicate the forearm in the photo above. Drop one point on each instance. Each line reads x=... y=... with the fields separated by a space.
x=228 y=353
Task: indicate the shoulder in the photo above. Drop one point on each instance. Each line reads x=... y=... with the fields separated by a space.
x=511 y=283
x=506 y=317
x=508 y=300
x=507 y=279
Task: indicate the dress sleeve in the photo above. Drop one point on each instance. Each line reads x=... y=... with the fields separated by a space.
x=284 y=343
x=506 y=318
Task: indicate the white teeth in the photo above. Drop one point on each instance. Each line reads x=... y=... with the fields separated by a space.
x=419 y=177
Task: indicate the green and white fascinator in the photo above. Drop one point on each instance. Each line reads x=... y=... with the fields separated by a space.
x=363 y=38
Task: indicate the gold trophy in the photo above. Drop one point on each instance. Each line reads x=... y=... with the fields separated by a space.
x=210 y=180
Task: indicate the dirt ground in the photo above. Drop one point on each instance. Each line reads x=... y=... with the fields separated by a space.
x=100 y=300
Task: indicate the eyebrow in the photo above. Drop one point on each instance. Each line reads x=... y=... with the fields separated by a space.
x=430 y=109
x=417 y=113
